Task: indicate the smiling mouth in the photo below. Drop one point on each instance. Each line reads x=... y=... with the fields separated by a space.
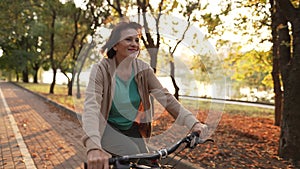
x=133 y=50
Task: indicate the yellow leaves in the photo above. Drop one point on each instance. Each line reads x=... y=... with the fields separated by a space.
x=251 y=67
x=175 y=4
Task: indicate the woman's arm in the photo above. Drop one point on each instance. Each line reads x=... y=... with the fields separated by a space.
x=182 y=115
x=92 y=118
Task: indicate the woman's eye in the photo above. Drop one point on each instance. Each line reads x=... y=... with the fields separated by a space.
x=132 y=39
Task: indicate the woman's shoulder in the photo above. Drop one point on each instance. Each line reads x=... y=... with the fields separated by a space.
x=100 y=66
x=104 y=62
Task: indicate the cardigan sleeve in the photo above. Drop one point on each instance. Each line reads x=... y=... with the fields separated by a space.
x=93 y=122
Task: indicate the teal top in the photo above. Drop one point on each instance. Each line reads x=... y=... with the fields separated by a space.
x=125 y=103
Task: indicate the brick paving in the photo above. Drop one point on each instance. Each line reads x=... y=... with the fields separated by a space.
x=51 y=135
x=11 y=156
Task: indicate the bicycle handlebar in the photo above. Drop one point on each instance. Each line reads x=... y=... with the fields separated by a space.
x=191 y=141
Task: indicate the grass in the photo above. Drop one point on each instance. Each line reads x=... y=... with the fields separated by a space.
x=60 y=96
x=229 y=108
x=60 y=93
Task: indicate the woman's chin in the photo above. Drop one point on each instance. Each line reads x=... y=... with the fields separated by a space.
x=133 y=54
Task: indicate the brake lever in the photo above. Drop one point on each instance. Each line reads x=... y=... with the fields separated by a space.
x=193 y=143
x=194 y=139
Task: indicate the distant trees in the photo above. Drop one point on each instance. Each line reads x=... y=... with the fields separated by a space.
x=17 y=38
x=45 y=34
x=66 y=30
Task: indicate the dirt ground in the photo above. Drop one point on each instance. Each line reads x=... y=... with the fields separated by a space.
x=240 y=142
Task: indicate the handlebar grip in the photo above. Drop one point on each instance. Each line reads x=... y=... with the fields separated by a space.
x=111 y=160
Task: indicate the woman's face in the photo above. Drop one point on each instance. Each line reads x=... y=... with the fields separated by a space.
x=128 y=44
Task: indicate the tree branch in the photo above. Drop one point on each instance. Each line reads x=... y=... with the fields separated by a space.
x=117 y=8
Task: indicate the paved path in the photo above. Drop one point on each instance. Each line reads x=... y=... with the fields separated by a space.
x=35 y=134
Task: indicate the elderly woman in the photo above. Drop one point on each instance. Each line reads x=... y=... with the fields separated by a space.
x=117 y=115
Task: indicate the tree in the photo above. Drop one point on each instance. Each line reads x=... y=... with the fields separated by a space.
x=259 y=19
x=290 y=69
x=190 y=8
x=78 y=31
x=17 y=41
x=63 y=36
x=94 y=17
x=52 y=8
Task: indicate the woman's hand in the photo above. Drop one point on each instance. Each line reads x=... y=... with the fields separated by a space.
x=201 y=128
x=98 y=159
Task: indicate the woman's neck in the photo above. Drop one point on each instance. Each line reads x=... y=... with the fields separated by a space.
x=123 y=61
x=124 y=67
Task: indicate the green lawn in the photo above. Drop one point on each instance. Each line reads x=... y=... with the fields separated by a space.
x=60 y=93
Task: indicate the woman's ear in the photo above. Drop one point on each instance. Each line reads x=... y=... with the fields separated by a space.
x=115 y=48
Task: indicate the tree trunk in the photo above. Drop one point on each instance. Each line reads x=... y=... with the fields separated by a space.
x=78 y=93
x=35 y=76
x=52 y=52
x=289 y=147
x=17 y=76
x=70 y=85
x=172 y=75
x=53 y=82
x=153 y=51
x=81 y=61
x=148 y=40
x=290 y=135
x=25 y=78
x=275 y=72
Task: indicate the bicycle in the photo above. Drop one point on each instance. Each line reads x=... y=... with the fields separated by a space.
x=125 y=162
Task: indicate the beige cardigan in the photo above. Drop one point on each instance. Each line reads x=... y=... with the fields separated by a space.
x=100 y=91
